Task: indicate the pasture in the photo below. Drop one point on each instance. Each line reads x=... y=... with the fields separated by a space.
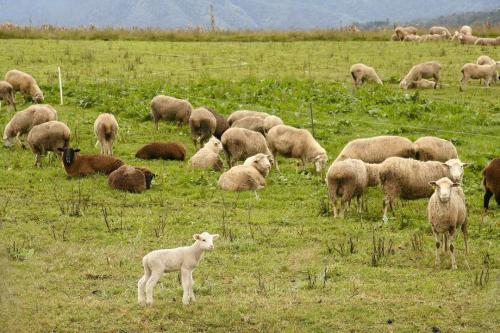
x=71 y=249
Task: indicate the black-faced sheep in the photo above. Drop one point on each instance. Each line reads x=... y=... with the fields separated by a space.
x=106 y=130
x=49 y=136
x=162 y=150
x=491 y=182
x=131 y=179
x=241 y=143
x=78 y=165
x=24 y=83
x=203 y=124
x=7 y=94
x=171 y=109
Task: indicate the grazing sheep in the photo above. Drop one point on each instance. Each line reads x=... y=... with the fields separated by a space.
x=24 y=83
x=420 y=84
x=77 y=165
x=296 y=143
x=162 y=150
x=106 y=130
x=466 y=30
x=208 y=157
x=222 y=124
x=408 y=179
x=361 y=73
x=394 y=37
x=23 y=121
x=171 y=109
x=488 y=73
x=7 y=94
x=491 y=182
x=402 y=32
x=184 y=259
x=431 y=148
x=348 y=179
x=377 y=149
x=440 y=31
x=487 y=41
x=237 y=115
x=48 y=136
x=412 y=38
x=255 y=124
x=131 y=179
x=485 y=60
x=241 y=143
x=203 y=124
x=271 y=121
x=426 y=70
x=447 y=211
x=249 y=176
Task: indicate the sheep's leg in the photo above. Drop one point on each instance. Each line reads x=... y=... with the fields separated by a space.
x=343 y=207
x=276 y=162
x=464 y=232
x=191 y=283
x=150 y=284
x=38 y=162
x=387 y=203
x=438 y=244
x=156 y=124
x=141 y=285
x=359 y=204
x=452 y=250
x=185 y=279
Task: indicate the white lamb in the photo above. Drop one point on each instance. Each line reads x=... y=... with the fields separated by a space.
x=184 y=259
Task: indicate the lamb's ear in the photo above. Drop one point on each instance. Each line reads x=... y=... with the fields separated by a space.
x=215 y=236
x=196 y=236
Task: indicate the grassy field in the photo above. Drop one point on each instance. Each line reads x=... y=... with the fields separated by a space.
x=283 y=263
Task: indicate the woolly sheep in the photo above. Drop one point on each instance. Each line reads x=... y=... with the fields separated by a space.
x=7 y=94
x=255 y=124
x=184 y=259
x=426 y=70
x=425 y=38
x=466 y=30
x=296 y=143
x=488 y=73
x=467 y=39
x=394 y=37
x=171 y=109
x=106 y=130
x=401 y=32
x=377 y=149
x=24 y=83
x=440 y=31
x=447 y=211
x=77 y=165
x=249 y=176
x=237 y=115
x=203 y=124
x=412 y=38
x=431 y=148
x=208 y=157
x=131 y=179
x=222 y=124
x=361 y=73
x=162 y=150
x=485 y=60
x=48 y=136
x=408 y=179
x=348 y=179
x=420 y=84
x=23 y=121
x=271 y=121
x=487 y=41
x=241 y=143
x=491 y=182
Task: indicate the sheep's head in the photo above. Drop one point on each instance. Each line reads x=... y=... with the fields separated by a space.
x=149 y=178
x=205 y=240
x=261 y=162
x=404 y=84
x=38 y=96
x=214 y=145
x=456 y=169
x=68 y=154
x=443 y=188
x=320 y=161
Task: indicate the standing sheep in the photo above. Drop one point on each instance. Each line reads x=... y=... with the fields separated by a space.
x=361 y=73
x=208 y=156
x=49 y=136
x=255 y=124
x=249 y=176
x=426 y=70
x=171 y=109
x=184 y=259
x=78 y=165
x=24 y=83
x=241 y=143
x=298 y=143
x=487 y=41
x=106 y=130
x=7 y=94
x=488 y=73
x=402 y=32
x=162 y=150
x=23 y=121
x=222 y=124
x=203 y=124
x=131 y=179
x=270 y=122
x=485 y=60
x=446 y=213
x=377 y=149
x=237 y=115
x=440 y=31
x=491 y=182
x=426 y=38
x=431 y=148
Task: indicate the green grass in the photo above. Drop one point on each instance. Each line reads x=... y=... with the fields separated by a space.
x=64 y=270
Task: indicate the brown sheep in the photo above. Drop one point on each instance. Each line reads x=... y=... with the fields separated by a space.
x=131 y=179
x=171 y=109
x=24 y=83
x=49 y=136
x=7 y=94
x=162 y=150
x=491 y=182
x=77 y=165
x=222 y=124
x=203 y=124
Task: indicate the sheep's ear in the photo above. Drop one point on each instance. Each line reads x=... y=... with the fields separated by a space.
x=433 y=184
x=196 y=237
x=455 y=184
x=215 y=236
x=465 y=165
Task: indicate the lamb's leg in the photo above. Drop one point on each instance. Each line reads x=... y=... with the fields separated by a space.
x=185 y=279
x=438 y=244
x=150 y=284
x=191 y=283
x=141 y=285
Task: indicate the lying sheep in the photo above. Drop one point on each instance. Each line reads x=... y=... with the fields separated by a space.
x=487 y=41
x=171 y=109
x=203 y=124
x=467 y=39
x=221 y=123
x=249 y=176
x=402 y=32
x=466 y=30
x=255 y=124
x=184 y=259
x=408 y=179
x=241 y=143
x=420 y=84
x=48 y=136
x=208 y=157
x=446 y=212
x=296 y=143
x=377 y=149
x=491 y=182
x=237 y=115
x=24 y=83
x=488 y=73
x=131 y=179
x=440 y=31
x=361 y=73
x=23 y=121
x=106 y=130
x=162 y=150
x=426 y=38
x=78 y=165
x=7 y=94
x=348 y=179
x=412 y=38
x=270 y=122
x=426 y=70
x=431 y=148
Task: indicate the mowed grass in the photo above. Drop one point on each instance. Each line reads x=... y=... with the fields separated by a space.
x=283 y=263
